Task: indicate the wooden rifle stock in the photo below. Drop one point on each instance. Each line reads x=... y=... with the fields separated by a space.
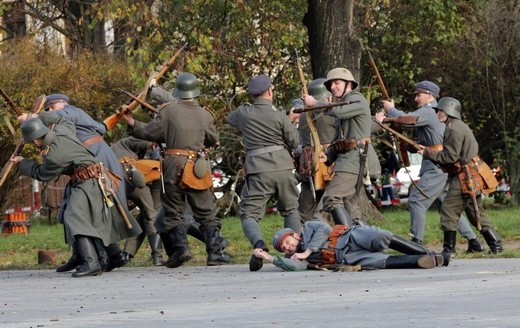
x=10 y=102
x=111 y=121
x=399 y=135
x=317 y=179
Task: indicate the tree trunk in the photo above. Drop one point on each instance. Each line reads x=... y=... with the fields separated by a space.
x=332 y=39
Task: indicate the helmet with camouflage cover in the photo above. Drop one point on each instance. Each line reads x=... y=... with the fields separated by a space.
x=340 y=73
x=33 y=129
x=450 y=106
x=186 y=86
x=318 y=90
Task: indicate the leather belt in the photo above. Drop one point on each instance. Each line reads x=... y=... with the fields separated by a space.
x=91 y=141
x=180 y=152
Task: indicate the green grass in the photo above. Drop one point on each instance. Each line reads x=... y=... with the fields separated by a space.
x=20 y=251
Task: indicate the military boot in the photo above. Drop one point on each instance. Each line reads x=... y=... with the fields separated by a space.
x=181 y=252
x=414 y=261
x=450 y=238
x=74 y=261
x=474 y=246
x=90 y=266
x=167 y=243
x=256 y=263
x=410 y=247
x=216 y=254
x=493 y=240
x=341 y=216
x=116 y=257
x=133 y=243
x=155 y=244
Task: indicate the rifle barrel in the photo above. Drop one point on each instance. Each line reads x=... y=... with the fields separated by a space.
x=399 y=135
x=343 y=103
x=10 y=102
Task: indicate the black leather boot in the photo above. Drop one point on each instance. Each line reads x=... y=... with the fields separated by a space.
x=194 y=231
x=474 y=246
x=414 y=261
x=74 y=261
x=90 y=266
x=167 y=243
x=256 y=263
x=181 y=252
x=493 y=240
x=216 y=254
x=155 y=244
x=410 y=247
x=341 y=216
x=116 y=257
x=450 y=239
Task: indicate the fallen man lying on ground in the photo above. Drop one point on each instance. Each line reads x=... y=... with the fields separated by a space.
x=361 y=246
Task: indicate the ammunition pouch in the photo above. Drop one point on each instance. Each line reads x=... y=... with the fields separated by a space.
x=95 y=171
x=328 y=255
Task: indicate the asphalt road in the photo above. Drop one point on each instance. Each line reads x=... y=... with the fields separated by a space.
x=468 y=293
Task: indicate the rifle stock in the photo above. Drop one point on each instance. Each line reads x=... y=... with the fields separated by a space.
x=111 y=121
x=331 y=105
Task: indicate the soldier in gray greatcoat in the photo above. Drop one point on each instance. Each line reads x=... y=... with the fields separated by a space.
x=318 y=243
x=90 y=133
x=86 y=217
x=269 y=138
x=187 y=130
x=460 y=147
x=432 y=182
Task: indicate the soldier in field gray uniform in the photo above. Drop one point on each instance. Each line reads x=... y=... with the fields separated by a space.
x=86 y=217
x=269 y=138
x=352 y=137
x=431 y=185
x=187 y=130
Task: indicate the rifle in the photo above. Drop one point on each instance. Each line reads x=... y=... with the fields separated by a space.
x=10 y=102
x=38 y=105
x=140 y=101
x=400 y=148
x=308 y=109
x=316 y=182
x=400 y=136
x=111 y=121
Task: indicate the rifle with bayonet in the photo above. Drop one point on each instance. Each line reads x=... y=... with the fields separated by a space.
x=111 y=121
x=38 y=105
x=399 y=147
x=316 y=180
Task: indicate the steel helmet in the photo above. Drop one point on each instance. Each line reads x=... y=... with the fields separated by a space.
x=450 y=106
x=318 y=90
x=33 y=128
x=340 y=73
x=186 y=86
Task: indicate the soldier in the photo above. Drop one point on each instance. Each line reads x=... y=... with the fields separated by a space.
x=127 y=150
x=187 y=130
x=269 y=138
x=460 y=149
x=90 y=133
x=357 y=245
x=432 y=180
x=310 y=204
x=86 y=217
x=352 y=139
